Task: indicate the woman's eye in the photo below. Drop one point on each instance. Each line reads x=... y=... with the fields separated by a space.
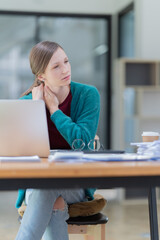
x=56 y=66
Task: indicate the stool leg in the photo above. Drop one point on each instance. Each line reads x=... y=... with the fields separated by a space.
x=103 y=231
x=88 y=237
x=76 y=237
x=94 y=232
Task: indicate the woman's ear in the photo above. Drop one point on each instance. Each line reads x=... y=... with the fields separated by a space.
x=41 y=78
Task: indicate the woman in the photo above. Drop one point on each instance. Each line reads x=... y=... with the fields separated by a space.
x=72 y=113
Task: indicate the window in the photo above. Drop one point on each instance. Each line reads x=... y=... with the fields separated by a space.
x=85 y=39
x=126 y=32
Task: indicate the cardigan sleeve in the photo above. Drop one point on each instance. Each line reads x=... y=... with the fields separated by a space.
x=20 y=198
x=85 y=124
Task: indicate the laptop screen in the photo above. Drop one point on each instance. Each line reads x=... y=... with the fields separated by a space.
x=23 y=128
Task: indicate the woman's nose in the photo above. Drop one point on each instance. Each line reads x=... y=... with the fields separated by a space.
x=65 y=69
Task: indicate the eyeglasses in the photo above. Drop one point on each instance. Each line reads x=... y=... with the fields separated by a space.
x=93 y=145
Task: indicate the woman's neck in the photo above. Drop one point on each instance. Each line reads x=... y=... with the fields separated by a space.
x=61 y=92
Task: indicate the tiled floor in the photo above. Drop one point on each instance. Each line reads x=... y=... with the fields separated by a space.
x=127 y=220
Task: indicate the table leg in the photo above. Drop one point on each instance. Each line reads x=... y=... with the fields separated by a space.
x=153 y=214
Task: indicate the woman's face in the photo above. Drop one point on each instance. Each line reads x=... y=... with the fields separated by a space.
x=58 y=71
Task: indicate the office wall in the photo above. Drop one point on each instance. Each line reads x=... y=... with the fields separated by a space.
x=69 y=6
x=121 y=4
x=147 y=34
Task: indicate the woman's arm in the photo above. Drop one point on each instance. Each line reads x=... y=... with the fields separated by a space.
x=87 y=115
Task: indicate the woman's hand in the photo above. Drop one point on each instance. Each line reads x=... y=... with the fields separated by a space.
x=51 y=100
x=38 y=92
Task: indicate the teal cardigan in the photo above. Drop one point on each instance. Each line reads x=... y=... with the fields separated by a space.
x=82 y=123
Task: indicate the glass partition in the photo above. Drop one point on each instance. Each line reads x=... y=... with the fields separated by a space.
x=85 y=40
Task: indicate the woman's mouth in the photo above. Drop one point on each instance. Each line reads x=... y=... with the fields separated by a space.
x=66 y=78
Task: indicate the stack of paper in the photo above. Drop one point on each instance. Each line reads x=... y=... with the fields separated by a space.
x=151 y=149
x=92 y=157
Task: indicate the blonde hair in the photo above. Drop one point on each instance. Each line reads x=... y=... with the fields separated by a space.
x=40 y=56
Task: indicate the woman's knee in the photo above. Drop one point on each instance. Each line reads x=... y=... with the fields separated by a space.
x=59 y=203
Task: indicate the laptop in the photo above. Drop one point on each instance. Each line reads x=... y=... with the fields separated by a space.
x=23 y=128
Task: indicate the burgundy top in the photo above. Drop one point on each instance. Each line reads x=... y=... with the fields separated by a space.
x=55 y=138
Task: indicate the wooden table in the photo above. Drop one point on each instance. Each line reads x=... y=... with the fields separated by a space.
x=99 y=175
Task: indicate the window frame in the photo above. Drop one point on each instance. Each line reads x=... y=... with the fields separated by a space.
x=108 y=18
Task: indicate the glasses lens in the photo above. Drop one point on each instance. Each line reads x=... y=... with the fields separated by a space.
x=78 y=144
x=94 y=145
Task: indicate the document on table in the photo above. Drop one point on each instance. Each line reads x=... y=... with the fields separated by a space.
x=115 y=157
x=92 y=157
x=66 y=156
x=20 y=159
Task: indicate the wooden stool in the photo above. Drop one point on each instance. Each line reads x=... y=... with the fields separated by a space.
x=90 y=222
x=92 y=227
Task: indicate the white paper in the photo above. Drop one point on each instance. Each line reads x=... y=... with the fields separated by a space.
x=115 y=157
x=92 y=157
x=66 y=156
x=20 y=159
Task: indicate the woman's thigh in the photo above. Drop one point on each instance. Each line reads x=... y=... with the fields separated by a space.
x=73 y=195
x=69 y=195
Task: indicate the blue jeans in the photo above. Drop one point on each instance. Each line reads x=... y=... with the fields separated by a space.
x=40 y=218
